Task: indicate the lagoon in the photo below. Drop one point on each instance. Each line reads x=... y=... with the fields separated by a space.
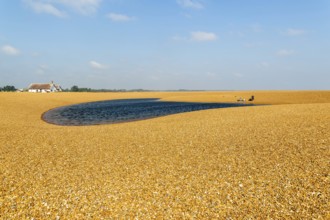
x=124 y=110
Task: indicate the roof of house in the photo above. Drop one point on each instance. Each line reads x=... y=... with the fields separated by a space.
x=45 y=86
x=40 y=86
x=58 y=87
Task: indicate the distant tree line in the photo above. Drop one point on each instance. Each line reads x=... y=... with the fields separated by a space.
x=8 y=89
x=75 y=88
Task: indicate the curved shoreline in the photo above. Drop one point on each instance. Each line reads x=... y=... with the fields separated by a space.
x=123 y=110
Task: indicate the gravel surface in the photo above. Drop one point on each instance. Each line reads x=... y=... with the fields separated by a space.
x=263 y=162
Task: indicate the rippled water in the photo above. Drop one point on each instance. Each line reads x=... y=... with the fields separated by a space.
x=115 y=111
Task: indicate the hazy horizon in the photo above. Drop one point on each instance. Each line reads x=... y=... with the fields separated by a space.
x=166 y=45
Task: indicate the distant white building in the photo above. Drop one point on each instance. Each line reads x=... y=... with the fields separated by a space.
x=44 y=87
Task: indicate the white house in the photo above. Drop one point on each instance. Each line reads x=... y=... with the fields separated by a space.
x=44 y=87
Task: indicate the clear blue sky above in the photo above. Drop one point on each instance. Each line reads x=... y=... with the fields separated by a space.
x=166 y=44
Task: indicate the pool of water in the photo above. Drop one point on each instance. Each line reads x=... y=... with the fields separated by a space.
x=116 y=111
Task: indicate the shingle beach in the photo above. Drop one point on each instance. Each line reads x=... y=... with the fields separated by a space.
x=260 y=162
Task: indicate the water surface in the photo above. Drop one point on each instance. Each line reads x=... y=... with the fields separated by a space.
x=124 y=110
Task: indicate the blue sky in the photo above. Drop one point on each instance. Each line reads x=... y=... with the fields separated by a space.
x=166 y=44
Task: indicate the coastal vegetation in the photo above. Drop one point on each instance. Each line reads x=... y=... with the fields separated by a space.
x=8 y=88
x=75 y=88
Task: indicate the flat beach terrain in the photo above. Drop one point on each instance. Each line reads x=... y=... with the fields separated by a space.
x=269 y=161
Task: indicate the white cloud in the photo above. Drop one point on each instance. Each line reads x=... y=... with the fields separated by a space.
x=285 y=52
x=53 y=6
x=203 y=36
x=190 y=4
x=82 y=6
x=294 y=32
x=97 y=65
x=10 y=50
x=119 y=17
x=45 y=7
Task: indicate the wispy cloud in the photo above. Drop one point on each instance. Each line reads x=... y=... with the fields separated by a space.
x=42 y=69
x=253 y=44
x=238 y=75
x=82 y=6
x=97 y=65
x=45 y=7
x=178 y=38
x=285 y=52
x=55 y=7
x=211 y=74
x=203 y=36
x=194 y=4
x=10 y=50
x=263 y=65
x=257 y=28
x=294 y=32
x=120 y=17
